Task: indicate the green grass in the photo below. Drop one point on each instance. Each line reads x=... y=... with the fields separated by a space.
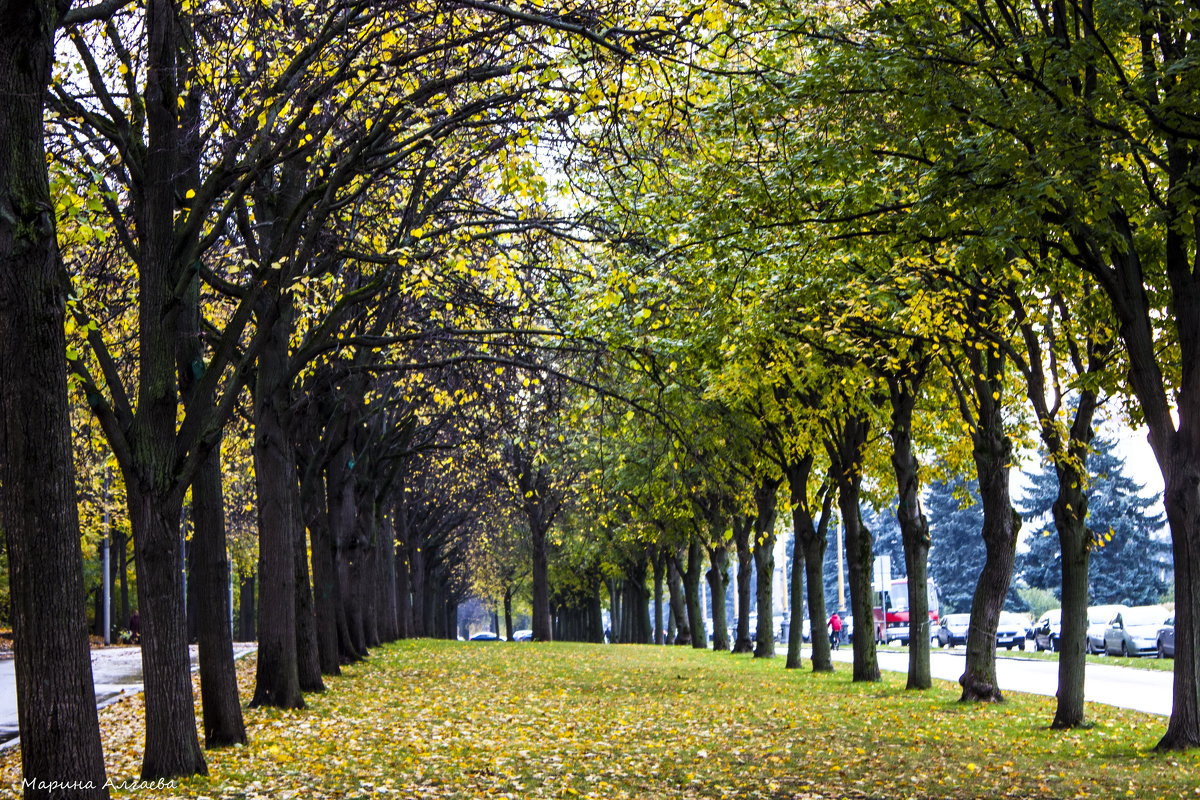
x=462 y=720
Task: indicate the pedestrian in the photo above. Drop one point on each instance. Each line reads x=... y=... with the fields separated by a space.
x=135 y=628
x=835 y=630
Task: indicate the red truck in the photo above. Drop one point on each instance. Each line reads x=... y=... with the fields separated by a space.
x=892 y=617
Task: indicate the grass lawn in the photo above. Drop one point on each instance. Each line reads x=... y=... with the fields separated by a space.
x=450 y=719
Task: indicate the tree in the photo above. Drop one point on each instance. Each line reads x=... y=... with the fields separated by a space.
x=957 y=554
x=1126 y=564
x=57 y=707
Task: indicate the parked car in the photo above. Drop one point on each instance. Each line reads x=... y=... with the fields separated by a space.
x=1166 y=638
x=952 y=630
x=1134 y=632
x=524 y=635
x=1010 y=630
x=1048 y=630
x=1099 y=618
x=484 y=636
x=897 y=634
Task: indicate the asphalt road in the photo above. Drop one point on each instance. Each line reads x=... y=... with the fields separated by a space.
x=1124 y=687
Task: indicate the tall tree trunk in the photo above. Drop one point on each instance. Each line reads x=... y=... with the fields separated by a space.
x=1075 y=542
x=809 y=551
x=56 y=704
x=797 y=476
x=639 y=605
x=308 y=651
x=222 y=709
x=914 y=529
x=416 y=561
x=368 y=577
x=816 y=540
x=404 y=604
x=692 y=594
x=508 y=615
x=765 y=500
x=152 y=457
x=683 y=634
x=277 y=681
x=339 y=487
x=325 y=584
x=846 y=451
x=718 y=579
x=993 y=455
x=541 y=581
x=1180 y=462
x=742 y=529
x=389 y=611
x=172 y=747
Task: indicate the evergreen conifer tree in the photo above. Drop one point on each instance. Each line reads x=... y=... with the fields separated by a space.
x=1126 y=565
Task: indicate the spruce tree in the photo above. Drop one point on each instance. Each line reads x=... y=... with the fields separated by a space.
x=1127 y=560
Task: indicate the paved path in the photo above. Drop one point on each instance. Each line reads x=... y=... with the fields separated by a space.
x=1124 y=687
x=116 y=671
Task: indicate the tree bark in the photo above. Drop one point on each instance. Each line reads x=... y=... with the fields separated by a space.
x=796 y=601
x=766 y=502
x=683 y=633
x=324 y=571
x=60 y=735
x=718 y=581
x=172 y=747
x=389 y=611
x=277 y=681
x=404 y=604
x=308 y=651
x=845 y=452
x=541 y=580
x=914 y=529
x=340 y=490
x=992 y=454
x=742 y=528
x=223 y=724
x=691 y=587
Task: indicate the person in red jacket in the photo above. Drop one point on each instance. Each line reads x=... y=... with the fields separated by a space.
x=835 y=630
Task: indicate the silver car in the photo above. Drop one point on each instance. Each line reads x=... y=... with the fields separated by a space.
x=1099 y=618
x=1134 y=632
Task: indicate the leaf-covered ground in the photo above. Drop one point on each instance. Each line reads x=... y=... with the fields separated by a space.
x=463 y=720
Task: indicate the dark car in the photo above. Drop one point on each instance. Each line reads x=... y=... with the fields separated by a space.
x=952 y=629
x=1166 y=638
x=1047 y=631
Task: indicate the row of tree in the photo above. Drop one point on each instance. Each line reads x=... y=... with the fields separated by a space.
x=849 y=247
x=436 y=290
x=292 y=252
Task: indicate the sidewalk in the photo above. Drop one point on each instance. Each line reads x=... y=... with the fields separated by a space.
x=116 y=672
